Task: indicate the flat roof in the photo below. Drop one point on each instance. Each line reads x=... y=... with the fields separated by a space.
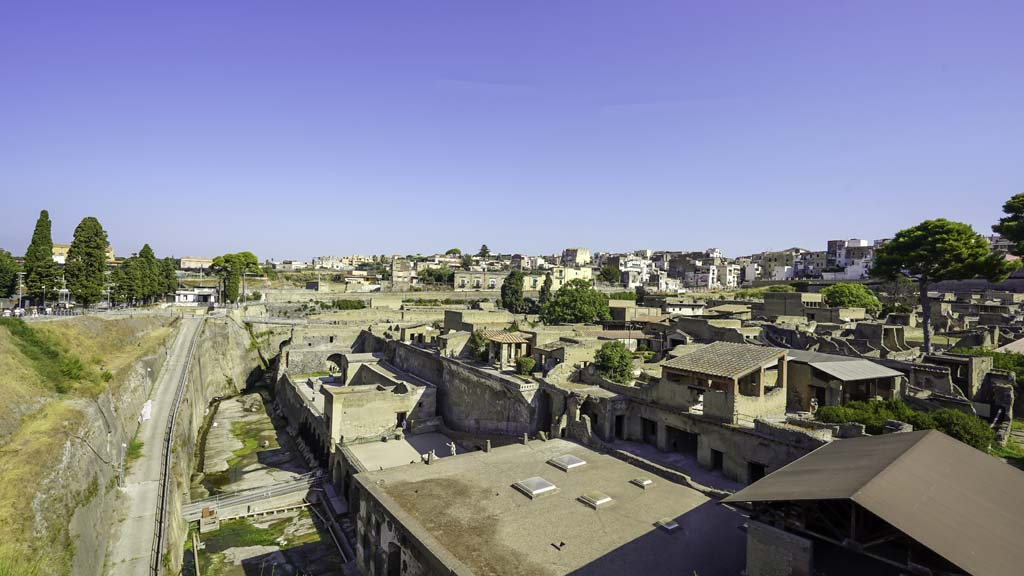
x=961 y=503
x=379 y=455
x=468 y=508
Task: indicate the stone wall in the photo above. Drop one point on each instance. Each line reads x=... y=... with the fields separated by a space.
x=773 y=552
x=224 y=362
x=477 y=400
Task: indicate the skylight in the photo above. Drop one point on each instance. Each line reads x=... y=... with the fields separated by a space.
x=595 y=499
x=567 y=462
x=534 y=487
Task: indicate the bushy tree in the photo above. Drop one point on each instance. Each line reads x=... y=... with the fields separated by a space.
x=484 y=251
x=8 y=274
x=512 y=293
x=230 y=267
x=467 y=261
x=40 y=269
x=614 y=362
x=440 y=276
x=575 y=302
x=845 y=295
x=609 y=274
x=86 y=265
x=453 y=252
x=1011 y=226
x=524 y=365
x=937 y=250
x=478 y=345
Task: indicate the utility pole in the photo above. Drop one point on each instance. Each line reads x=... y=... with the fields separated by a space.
x=21 y=283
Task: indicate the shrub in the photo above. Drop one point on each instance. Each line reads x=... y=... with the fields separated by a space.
x=524 y=365
x=964 y=427
x=622 y=296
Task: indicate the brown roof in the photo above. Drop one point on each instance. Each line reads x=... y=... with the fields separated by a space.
x=504 y=337
x=726 y=359
x=961 y=503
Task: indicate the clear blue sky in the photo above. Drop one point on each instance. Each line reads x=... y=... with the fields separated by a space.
x=294 y=129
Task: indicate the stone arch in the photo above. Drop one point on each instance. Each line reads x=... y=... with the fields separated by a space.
x=336 y=362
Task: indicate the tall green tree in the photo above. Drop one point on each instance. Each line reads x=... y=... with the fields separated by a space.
x=848 y=295
x=512 y=293
x=40 y=269
x=575 y=302
x=152 y=275
x=230 y=268
x=545 y=290
x=938 y=250
x=484 y=251
x=169 y=275
x=87 y=262
x=453 y=252
x=1011 y=226
x=8 y=274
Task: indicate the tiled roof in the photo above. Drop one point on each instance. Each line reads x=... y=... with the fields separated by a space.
x=726 y=359
x=503 y=337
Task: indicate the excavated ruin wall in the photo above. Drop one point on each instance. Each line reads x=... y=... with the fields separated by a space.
x=84 y=483
x=225 y=360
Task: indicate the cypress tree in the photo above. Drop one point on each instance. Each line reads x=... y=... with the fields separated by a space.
x=40 y=269
x=168 y=268
x=87 y=262
x=152 y=276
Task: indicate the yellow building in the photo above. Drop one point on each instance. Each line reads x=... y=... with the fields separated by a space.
x=60 y=253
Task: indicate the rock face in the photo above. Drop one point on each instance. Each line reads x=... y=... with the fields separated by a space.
x=223 y=365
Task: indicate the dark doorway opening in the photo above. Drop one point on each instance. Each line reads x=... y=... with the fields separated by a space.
x=650 y=431
x=400 y=419
x=620 y=427
x=682 y=441
x=717 y=460
x=756 y=471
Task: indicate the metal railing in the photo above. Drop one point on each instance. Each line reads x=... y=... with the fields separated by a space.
x=192 y=511
x=156 y=553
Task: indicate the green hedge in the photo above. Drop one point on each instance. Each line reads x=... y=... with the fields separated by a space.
x=964 y=427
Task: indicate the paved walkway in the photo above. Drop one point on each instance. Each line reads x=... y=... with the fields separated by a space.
x=131 y=547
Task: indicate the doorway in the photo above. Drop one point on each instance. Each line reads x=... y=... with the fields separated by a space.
x=717 y=460
x=620 y=427
x=650 y=431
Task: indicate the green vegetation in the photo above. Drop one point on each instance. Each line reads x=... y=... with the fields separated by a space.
x=1013 y=453
x=478 y=345
x=937 y=250
x=545 y=291
x=443 y=276
x=86 y=265
x=484 y=251
x=625 y=295
x=1011 y=226
x=49 y=357
x=609 y=274
x=964 y=427
x=615 y=362
x=1010 y=361
x=142 y=278
x=575 y=302
x=230 y=267
x=8 y=274
x=439 y=301
x=343 y=305
x=17 y=562
x=758 y=293
x=845 y=295
x=453 y=252
x=512 y=293
x=524 y=365
x=134 y=449
x=40 y=269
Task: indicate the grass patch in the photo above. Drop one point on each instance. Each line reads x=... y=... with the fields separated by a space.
x=15 y=561
x=135 y=449
x=1013 y=453
x=1017 y=424
x=52 y=361
x=250 y=437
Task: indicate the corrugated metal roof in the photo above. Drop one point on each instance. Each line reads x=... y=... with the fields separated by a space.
x=726 y=359
x=853 y=370
x=961 y=503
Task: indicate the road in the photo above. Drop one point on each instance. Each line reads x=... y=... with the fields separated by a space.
x=130 y=548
